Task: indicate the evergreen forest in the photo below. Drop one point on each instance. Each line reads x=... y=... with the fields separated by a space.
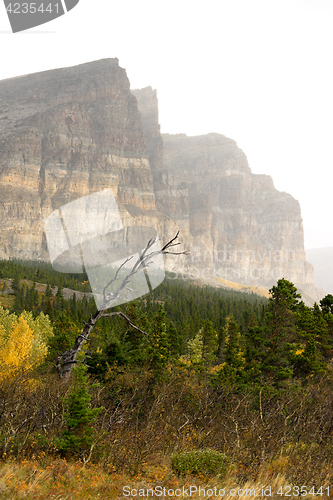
x=215 y=387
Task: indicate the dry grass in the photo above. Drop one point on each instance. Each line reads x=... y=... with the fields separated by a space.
x=274 y=440
x=244 y=288
x=57 y=479
x=68 y=481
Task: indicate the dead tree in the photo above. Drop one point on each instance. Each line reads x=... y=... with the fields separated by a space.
x=68 y=359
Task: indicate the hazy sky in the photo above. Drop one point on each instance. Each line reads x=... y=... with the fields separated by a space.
x=257 y=71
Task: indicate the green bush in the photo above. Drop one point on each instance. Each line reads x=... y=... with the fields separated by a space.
x=79 y=435
x=204 y=462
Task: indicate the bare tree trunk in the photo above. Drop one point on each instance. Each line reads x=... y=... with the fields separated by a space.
x=67 y=359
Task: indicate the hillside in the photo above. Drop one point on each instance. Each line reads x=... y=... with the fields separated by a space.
x=218 y=388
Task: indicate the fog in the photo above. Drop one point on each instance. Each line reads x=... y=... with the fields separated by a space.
x=258 y=72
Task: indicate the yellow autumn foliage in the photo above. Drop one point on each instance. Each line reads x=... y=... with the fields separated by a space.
x=23 y=341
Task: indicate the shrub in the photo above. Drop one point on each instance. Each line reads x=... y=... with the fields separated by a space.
x=204 y=462
x=79 y=436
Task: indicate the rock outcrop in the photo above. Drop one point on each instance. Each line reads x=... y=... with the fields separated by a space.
x=70 y=132
x=238 y=225
x=64 y=134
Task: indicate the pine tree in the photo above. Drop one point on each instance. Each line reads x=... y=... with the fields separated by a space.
x=73 y=305
x=49 y=309
x=209 y=340
x=60 y=301
x=28 y=299
x=79 y=436
x=48 y=291
x=18 y=305
x=233 y=348
x=136 y=348
x=255 y=349
x=281 y=329
x=231 y=371
x=15 y=284
x=134 y=337
x=221 y=339
x=35 y=297
x=326 y=304
x=158 y=350
x=60 y=292
x=312 y=331
x=325 y=341
x=174 y=340
x=305 y=361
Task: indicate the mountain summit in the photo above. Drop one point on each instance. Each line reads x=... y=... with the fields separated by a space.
x=70 y=132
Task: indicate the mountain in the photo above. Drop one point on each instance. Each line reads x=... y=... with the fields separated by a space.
x=64 y=134
x=70 y=132
x=322 y=261
x=238 y=224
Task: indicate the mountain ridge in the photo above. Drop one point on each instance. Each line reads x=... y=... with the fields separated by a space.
x=70 y=132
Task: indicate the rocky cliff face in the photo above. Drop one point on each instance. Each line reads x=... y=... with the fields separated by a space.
x=64 y=134
x=238 y=225
x=70 y=132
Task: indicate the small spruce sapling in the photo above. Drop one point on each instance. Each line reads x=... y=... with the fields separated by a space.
x=79 y=436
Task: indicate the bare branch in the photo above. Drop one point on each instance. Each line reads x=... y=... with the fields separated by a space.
x=115 y=278
x=170 y=243
x=67 y=359
x=143 y=261
x=127 y=319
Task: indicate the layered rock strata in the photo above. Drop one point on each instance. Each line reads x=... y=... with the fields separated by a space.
x=71 y=132
x=64 y=134
x=238 y=225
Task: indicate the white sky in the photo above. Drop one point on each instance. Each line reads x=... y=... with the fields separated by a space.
x=257 y=71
